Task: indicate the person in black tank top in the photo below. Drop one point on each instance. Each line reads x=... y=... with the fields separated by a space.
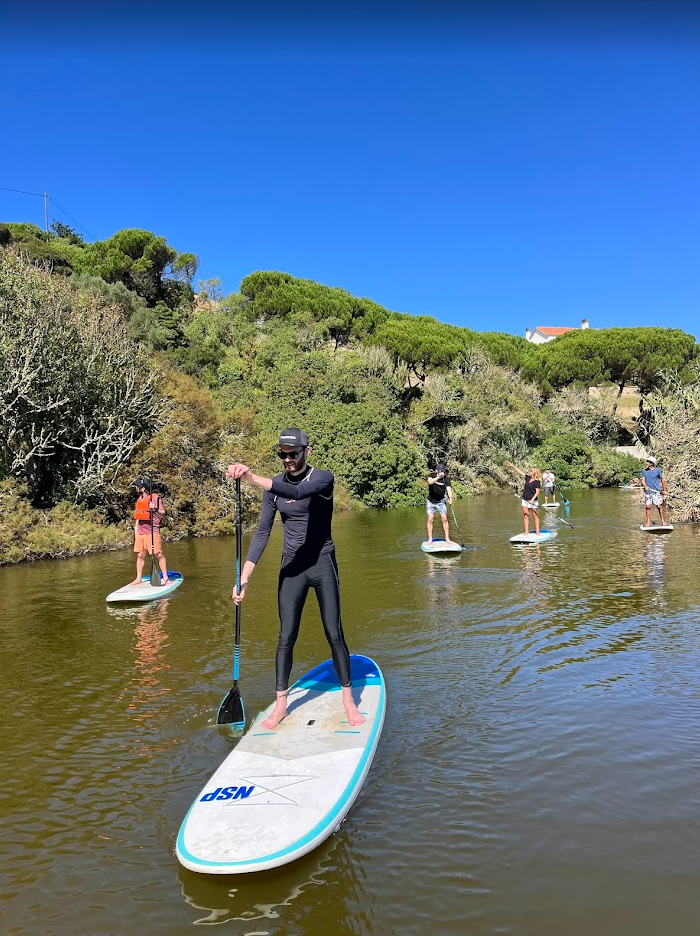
x=531 y=492
x=303 y=496
x=439 y=495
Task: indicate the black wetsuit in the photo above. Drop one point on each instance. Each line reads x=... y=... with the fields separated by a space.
x=305 y=503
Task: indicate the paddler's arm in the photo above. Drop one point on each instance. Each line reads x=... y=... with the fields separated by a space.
x=310 y=487
x=450 y=495
x=257 y=544
x=522 y=473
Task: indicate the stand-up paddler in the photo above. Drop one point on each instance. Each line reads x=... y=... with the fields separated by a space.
x=303 y=497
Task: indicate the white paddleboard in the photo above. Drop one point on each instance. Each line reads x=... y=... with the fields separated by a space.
x=282 y=792
x=542 y=537
x=551 y=506
x=657 y=528
x=440 y=547
x=630 y=487
x=145 y=591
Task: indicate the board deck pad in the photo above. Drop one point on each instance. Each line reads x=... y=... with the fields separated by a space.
x=145 y=591
x=440 y=546
x=542 y=537
x=657 y=528
x=281 y=792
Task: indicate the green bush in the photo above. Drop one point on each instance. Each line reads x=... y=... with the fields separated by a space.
x=577 y=463
x=65 y=530
x=367 y=450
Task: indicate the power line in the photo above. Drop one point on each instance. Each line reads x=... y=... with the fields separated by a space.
x=20 y=192
x=45 y=196
x=72 y=218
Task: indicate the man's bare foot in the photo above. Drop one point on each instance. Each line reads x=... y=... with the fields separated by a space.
x=278 y=713
x=355 y=717
x=166 y=581
x=430 y=541
x=136 y=582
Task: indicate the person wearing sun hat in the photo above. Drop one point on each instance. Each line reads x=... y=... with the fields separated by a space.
x=303 y=496
x=654 y=486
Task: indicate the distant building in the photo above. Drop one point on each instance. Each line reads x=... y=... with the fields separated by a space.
x=543 y=333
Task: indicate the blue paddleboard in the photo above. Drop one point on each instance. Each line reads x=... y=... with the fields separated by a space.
x=145 y=591
x=439 y=547
x=542 y=537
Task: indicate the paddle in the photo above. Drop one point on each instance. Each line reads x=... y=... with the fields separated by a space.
x=231 y=711
x=566 y=502
x=454 y=517
x=155 y=572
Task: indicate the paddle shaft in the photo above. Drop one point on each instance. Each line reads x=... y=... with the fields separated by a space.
x=155 y=574
x=557 y=488
x=239 y=550
x=454 y=517
x=231 y=710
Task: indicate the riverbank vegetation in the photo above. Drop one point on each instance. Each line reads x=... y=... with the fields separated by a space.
x=111 y=366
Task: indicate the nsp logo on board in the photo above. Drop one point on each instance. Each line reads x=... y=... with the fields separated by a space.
x=227 y=793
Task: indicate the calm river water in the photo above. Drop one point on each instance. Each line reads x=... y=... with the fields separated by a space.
x=537 y=774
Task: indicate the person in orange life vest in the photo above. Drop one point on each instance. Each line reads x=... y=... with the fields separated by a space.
x=149 y=510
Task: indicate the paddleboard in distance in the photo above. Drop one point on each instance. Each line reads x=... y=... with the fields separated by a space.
x=282 y=792
x=440 y=547
x=145 y=591
x=630 y=487
x=551 y=506
x=542 y=537
x=657 y=528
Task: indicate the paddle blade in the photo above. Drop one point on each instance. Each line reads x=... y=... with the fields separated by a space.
x=231 y=710
x=155 y=575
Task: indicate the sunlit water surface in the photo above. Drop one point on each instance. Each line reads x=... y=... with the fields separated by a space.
x=537 y=774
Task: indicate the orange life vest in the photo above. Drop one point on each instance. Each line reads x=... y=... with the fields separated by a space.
x=142 y=511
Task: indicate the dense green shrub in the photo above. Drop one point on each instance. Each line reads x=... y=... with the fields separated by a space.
x=577 y=463
x=65 y=530
x=367 y=450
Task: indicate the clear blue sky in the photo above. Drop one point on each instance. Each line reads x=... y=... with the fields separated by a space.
x=522 y=166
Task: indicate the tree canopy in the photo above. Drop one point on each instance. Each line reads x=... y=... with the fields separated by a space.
x=305 y=302
x=143 y=262
x=621 y=355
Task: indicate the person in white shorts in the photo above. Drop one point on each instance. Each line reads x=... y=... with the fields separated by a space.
x=655 y=492
x=528 y=499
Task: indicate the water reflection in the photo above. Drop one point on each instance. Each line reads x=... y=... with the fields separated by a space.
x=260 y=900
x=655 y=557
x=146 y=690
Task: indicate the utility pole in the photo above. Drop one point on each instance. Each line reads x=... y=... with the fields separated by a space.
x=46 y=213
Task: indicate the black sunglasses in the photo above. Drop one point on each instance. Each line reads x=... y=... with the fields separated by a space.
x=295 y=456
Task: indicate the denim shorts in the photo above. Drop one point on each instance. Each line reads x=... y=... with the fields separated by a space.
x=442 y=507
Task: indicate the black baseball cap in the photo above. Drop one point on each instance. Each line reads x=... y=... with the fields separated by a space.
x=440 y=467
x=294 y=437
x=143 y=483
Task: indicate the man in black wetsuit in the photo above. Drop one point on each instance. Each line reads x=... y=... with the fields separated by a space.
x=304 y=498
